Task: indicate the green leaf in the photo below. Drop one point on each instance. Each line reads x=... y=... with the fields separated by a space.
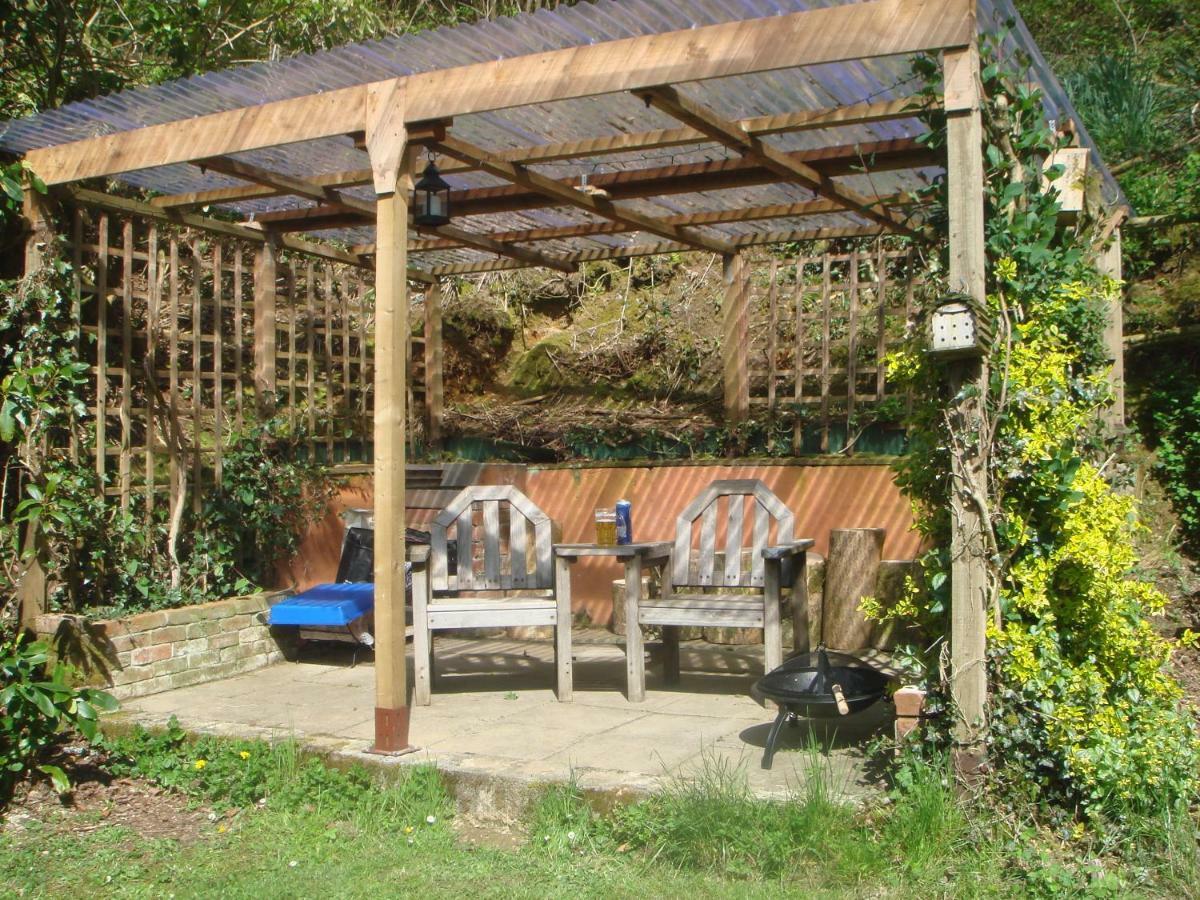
x=58 y=778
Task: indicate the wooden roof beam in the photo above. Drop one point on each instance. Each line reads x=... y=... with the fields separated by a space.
x=126 y=206
x=659 y=247
x=568 y=195
x=591 y=229
x=855 y=114
x=667 y=99
x=462 y=238
x=288 y=184
x=810 y=37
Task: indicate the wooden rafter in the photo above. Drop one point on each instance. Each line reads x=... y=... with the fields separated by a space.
x=126 y=206
x=825 y=35
x=669 y=100
x=567 y=195
x=855 y=114
x=591 y=229
x=463 y=238
x=287 y=184
x=658 y=247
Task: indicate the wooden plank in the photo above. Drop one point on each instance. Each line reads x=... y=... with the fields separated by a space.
x=798 y=357
x=733 y=539
x=287 y=184
x=465 y=238
x=772 y=336
x=172 y=313
x=265 y=384
x=562 y=629
x=218 y=369
x=852 y=341
x=343 y=307
x=1109 y=263
x=854 y=114
x=772 y=628
x=722 y=130
x=125 y=459
x=197 y=382
x=968 y=267
x=434 y=388
x=518 y=550
x=569 y=195
x=826 y=312
x=708 y=544
x=153 y=325
x=238 y=338
x=853 y=31
x=635 y=654
x=762 y=531
x=330 y=383
x=290 y=280
x=102 y=348
x=491 y=544
x=735 y=335
x=465 y=539
x=310 y=337
x=881 y=287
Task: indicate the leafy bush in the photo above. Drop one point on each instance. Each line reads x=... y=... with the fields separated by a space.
x=35 y=708
x=1085 y=716
x=1173 y=411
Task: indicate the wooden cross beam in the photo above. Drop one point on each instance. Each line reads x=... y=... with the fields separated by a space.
x=729 y=133
x=589 y=229
x=567 y=195
x=460 y=238
x=659 y=247
x=287 y=184
x=855 y=114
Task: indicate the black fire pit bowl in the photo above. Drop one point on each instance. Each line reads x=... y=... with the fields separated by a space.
x=819 y=685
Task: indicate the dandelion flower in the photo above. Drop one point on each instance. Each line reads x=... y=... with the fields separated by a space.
x=408 y=829
x=245 y=754
x=200 y=764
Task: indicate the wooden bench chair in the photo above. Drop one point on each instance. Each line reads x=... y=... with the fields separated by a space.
x=512 y=585
x=698 y=589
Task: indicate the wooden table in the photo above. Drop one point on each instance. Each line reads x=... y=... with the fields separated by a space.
x=635 y=557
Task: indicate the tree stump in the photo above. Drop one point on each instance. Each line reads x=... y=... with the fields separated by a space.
x=851 y=573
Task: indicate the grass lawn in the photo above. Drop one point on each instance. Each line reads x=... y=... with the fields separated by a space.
x=241 y=819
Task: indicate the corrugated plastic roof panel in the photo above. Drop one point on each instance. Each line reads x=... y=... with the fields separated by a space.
x=767 y=93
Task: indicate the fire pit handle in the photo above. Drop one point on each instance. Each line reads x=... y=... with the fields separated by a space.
x=840 y=697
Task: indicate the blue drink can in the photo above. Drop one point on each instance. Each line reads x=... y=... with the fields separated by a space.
x=624 y=522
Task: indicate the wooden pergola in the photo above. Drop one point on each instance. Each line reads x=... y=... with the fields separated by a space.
x=638 y=128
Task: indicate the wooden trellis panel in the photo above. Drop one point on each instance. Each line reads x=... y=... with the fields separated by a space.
x=167 y=320
x=822 y=327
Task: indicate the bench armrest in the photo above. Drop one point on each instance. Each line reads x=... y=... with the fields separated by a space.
x=650 y=551
x=788 y=551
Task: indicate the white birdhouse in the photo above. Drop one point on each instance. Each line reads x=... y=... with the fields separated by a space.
x=957 y=329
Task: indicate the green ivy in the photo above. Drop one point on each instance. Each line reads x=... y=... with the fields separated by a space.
x=104 y=558
x=1084 y=713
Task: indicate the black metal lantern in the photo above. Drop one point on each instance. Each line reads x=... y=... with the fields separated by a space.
x=431 y=199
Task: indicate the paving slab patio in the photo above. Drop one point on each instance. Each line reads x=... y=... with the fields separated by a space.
x=494 y=715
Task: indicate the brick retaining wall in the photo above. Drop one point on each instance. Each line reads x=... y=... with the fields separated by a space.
x=157 y=651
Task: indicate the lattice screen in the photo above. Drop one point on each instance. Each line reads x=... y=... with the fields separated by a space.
x=181 y=305
x=821 y=327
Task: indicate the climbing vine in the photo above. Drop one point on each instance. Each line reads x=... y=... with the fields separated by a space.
x=103 y=557
x=1084 y=712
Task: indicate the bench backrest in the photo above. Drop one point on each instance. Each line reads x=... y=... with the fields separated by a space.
x=514 y=534
x=748 y=508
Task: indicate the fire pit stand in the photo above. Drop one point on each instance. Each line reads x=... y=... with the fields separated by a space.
x=820 y=685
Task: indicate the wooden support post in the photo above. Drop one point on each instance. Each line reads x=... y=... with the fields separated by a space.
x=1109 y=264
x=433 y=362
x=32 y=588
x=264 y=329
x=735 y=335
x=968 y=382
x=391 y=159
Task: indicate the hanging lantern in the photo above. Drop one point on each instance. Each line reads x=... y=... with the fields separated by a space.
x=431 y=199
